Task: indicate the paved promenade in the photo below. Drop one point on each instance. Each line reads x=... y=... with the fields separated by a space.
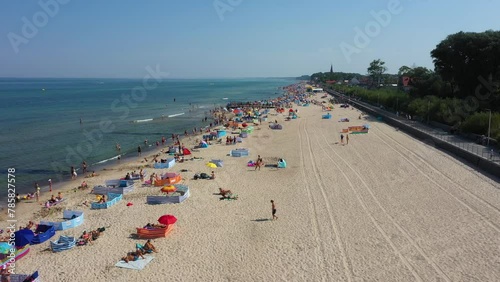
x=487 y=153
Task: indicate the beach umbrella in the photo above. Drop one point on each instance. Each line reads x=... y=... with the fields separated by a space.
x=244 y=124
x=167 y=219
x=168 y=189
x=291 y=111
x=211 y=165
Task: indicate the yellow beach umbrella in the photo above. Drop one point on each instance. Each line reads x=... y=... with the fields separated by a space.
x=211 y=165
x=168 y=189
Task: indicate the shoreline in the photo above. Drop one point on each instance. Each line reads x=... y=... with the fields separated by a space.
x=367 y=208
x=108 y=167
x=102 y=170
x=55 y=163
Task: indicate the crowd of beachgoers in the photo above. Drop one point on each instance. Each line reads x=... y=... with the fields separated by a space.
x=230 y=120
x=244 y=193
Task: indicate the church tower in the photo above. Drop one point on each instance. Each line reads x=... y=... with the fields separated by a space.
x=331 y=68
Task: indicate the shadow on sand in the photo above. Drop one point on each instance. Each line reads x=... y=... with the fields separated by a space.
x=261 y=219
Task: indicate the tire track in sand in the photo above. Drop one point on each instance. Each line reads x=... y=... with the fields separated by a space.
x=401 y=229
x=313 y=213
x=471 y=209
x=345 y=262
x=365 y=208
x=423 y=160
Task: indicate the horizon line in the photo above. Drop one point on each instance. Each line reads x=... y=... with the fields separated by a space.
x=54 y=77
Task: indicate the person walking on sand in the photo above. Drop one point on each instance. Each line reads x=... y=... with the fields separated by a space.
x=273 y=208
x=258 y=163
x=37 y=192
x=341 y=138
x=347 y=139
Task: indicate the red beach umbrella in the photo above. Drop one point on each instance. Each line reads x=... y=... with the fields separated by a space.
x=167 y=219
x=291 y=111
x=244 y=124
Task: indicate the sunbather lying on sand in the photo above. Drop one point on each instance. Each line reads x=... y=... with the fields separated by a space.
x=52 y=199
x=86 y=237
x=93 y=174
x=133 y=256
x=95 y=234
x=30 y=225
x=148 y=247
x=102 y=200
x=152 y=226
x=223 y=192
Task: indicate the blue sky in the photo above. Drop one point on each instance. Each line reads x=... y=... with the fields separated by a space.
x=251 y=38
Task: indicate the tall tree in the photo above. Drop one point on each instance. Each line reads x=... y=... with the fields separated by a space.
x=376 y=69
x=463 y=58
x=404 y=70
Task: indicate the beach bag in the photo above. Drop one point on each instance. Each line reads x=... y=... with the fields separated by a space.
x=204 y=176
x=196 y=176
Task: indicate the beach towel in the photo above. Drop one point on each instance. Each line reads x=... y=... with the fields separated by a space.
x=137 y=265
x=231 y=197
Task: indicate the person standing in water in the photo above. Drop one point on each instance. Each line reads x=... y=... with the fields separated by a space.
x=139 y=150
x=84 y=167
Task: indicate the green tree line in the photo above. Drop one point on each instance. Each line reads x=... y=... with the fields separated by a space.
x=462 y=91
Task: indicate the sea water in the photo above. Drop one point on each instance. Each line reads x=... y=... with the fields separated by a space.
x=48 y=125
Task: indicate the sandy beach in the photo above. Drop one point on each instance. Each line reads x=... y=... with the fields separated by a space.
x=384 y=207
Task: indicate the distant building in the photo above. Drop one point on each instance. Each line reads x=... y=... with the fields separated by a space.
x=354 y=81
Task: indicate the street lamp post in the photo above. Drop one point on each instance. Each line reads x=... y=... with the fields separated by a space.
x=489 y=129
